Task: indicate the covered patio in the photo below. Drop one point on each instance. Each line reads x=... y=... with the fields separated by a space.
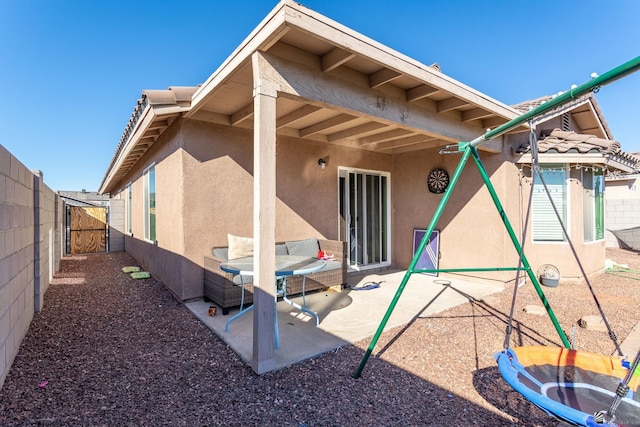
x=345 y=317
x=302 y=75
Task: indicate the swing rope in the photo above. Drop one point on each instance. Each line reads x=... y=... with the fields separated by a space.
x=609 y=415
x=509 y=328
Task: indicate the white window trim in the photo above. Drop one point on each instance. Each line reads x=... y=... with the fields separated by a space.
x=129 y=209
x=145 y=215
x=567 y=188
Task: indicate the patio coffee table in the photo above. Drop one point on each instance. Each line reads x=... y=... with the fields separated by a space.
x=286 y=265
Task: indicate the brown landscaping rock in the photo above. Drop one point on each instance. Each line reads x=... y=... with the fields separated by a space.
x=535 y=309
x=592 y=323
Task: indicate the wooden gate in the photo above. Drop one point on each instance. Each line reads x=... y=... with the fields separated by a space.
x=88 y=229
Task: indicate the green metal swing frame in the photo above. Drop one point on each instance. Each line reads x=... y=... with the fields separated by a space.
x=469 y=150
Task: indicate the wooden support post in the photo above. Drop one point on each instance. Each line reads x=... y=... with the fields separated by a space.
x=264 y=208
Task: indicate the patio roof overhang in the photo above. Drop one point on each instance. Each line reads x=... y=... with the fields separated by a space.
x=334 y=85
x=337 y=86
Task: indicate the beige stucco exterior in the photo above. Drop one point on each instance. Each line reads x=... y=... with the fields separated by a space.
x=204 y=154
x=239 y=155
x=204 y=190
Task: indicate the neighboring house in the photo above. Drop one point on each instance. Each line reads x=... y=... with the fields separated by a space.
x=242 y=154
x=84 y=198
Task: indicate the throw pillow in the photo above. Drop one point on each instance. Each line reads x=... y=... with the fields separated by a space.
x=308 y=247
x=239 y=246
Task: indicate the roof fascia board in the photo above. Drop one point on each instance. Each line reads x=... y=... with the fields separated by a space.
x=560 y=110
x=126 y=149
x=149 y=115
x=587 y=158
x=599 y=117
x=611 y=162
x=321 y=88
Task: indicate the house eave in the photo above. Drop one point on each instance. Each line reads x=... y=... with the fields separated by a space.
x=611 y=162
x=153 y=121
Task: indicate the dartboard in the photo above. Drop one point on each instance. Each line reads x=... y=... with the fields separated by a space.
x=438 y=180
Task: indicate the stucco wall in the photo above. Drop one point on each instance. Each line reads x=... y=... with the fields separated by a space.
x=218 y=168
x=30 y=250
x=590 y=254
x=471 y=232
x=204 y=189
x=164 y=257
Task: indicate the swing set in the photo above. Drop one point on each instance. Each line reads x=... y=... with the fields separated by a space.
x=576 y=387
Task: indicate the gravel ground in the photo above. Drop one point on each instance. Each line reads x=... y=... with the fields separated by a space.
x=107 y=350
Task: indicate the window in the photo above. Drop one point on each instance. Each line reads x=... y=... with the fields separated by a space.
x=128 y=202
x=149 y=193
x=545 y=224
x=593 y=204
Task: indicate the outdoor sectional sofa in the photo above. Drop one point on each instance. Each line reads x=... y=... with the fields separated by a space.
x=224 y=288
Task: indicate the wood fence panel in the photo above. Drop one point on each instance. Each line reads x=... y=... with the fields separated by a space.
x=88 y=229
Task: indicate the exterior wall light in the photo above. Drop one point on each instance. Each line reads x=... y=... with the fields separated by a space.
x=322 y=163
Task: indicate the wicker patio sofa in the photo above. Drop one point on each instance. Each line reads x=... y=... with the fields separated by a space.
x=224 y=289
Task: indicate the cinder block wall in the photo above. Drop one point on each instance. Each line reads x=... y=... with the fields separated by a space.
x=621 y=214
x=116 y=225
x=622 y=209
x=30 y=251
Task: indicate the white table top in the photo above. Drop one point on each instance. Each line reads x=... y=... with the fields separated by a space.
x=286 y=265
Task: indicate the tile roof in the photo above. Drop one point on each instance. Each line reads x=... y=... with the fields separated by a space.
x=559 y=141
x=165 y=105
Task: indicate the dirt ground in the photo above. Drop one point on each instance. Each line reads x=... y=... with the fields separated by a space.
x=107 y=350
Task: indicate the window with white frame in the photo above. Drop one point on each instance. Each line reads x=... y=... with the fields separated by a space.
x=593 y=203
x=128 y=202
x=149 y=196
x=545 y=224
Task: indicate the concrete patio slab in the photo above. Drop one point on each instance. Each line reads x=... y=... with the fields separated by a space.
x=345 y=317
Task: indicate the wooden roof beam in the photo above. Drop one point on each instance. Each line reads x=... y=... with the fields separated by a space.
x=242 y=114
x=420 y=92
x=403 y=142
x=493 y=122
x=326 y=124
x=381 y=77
x=298 y=114
x=384 y=136
x=356 y=130
x=336 y=58
x=299 y=82
x=159 y=124
x=475 y=114
x=451 y=104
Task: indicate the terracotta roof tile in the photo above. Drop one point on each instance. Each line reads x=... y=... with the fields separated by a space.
x=559 y=141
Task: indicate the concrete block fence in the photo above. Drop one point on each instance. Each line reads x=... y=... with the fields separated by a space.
x=31 y=246
x=621 y=214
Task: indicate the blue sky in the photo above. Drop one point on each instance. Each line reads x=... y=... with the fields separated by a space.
x=72 y=71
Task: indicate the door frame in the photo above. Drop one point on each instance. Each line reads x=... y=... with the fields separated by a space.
x=343 y=222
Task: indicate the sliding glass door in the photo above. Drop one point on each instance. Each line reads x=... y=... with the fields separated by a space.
x=364 y=217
